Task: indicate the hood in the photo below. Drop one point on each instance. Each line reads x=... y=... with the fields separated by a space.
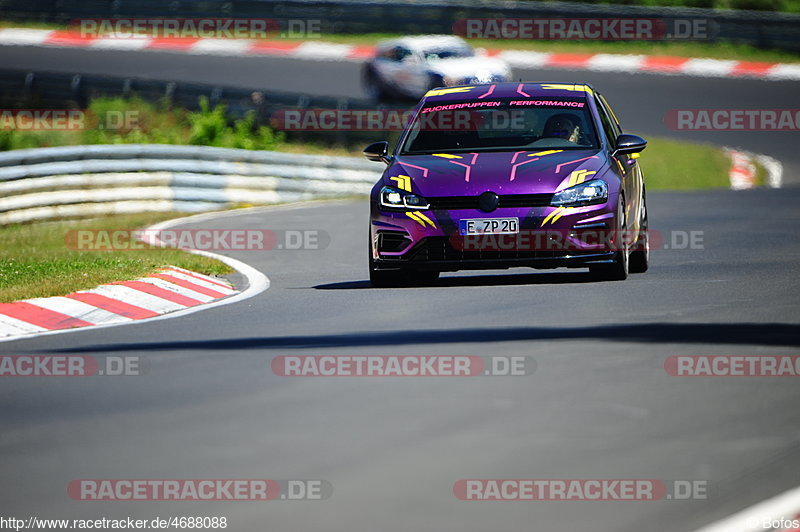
x=470 y=67
x=470 y=174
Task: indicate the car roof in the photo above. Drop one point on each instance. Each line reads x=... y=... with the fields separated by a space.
x=520 y=89
x=426 y=42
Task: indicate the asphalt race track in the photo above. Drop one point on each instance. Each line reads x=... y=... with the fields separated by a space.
x=599 y=405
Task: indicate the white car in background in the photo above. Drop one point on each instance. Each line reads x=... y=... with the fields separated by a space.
x=409 y=67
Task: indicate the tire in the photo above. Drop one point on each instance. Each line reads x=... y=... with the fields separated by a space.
x=387 y=278
x=619 y=269
x=399 y=278
x=384 y=278
x=373 y=87
x=640 y=256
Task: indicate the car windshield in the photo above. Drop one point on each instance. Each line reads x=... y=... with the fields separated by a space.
x=501 y=124
x=438 y=54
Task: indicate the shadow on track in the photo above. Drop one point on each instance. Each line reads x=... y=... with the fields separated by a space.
x=773 y=334
x=480 y=280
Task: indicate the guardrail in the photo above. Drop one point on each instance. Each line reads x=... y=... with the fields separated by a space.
x=80 y=181
x=758 y=28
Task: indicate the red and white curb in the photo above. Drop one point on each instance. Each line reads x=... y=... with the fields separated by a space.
x=743 y=169
x=170 y=293
x=168 y=290
x=326 y=51
x=779 y=514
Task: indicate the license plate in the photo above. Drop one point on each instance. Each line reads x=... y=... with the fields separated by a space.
x=490 y=226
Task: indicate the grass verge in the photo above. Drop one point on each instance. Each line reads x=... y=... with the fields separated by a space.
x=676 y=165
x=35 y=260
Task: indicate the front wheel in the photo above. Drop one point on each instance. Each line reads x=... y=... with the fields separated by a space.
x=399 y=278
x=619 y=269
x=373 y=86
x=640 y=257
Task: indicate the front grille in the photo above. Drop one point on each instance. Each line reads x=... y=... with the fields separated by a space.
x=471 y=202
x=440 y=248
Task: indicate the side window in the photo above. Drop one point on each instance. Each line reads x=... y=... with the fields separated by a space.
x=611 y=112
x=609 y=124
x=388 y=54
x=401 y=53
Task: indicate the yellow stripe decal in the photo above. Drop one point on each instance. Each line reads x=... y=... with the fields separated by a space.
x=403 y=182
x=554 y=216
x=579 y=176
x=584 y=175
x=420 y=215
x=559 y=215
x=413 y=216
x=439 y=92
x=543 y=153
x=446 y=155
x=547 y=218
x=559 y=86
x=565 y=87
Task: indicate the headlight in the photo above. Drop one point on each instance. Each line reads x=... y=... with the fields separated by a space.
x=589 y=193
x=397 y=199
x=484 y=76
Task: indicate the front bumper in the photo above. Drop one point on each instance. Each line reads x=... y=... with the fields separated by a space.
x=549 y=237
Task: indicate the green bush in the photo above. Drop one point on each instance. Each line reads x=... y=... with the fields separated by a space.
x=133 y=121
x=210 y=127
x=207 y=126
x=136 y=121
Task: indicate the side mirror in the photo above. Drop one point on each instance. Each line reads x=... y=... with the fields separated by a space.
x=630 y=144
x=377 y=151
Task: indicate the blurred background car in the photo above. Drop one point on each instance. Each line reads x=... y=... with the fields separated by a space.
x=408 y=67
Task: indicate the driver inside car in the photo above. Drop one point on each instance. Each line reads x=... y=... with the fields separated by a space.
x=563 y=126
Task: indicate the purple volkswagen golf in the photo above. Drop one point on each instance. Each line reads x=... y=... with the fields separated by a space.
x=508 y=175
